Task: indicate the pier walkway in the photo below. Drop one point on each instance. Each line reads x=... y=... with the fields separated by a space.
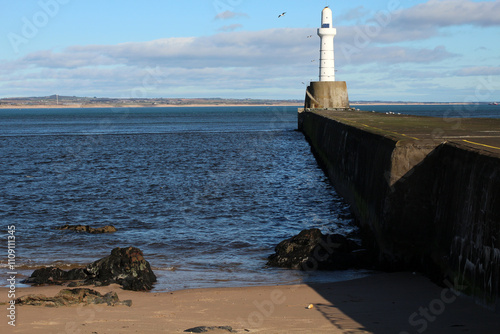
x=477 y=133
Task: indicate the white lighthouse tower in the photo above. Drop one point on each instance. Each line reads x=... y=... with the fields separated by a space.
x=326 y=93
x=327 y=58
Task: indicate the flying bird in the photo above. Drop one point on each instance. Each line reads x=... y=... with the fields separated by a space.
x=309 y=36
x=282 y=14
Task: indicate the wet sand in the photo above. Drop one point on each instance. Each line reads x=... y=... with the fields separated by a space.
x=382 y=303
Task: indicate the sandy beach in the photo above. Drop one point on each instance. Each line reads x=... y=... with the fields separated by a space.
x=382 y=303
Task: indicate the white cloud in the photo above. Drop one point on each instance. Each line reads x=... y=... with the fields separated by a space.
x=478 y=71
x=353 y=14
x=373 y=33
x=233 y=61
x=419 y=22
x=229 y=15
x=241 y=49
x=451 y=12
x=275 y=47
x=68 y=59
x=350 y=54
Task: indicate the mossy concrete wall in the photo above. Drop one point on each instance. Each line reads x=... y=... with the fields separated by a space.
x=424 y=205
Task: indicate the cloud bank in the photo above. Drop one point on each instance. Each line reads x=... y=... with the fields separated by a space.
x=444 y=13
x=255 y=63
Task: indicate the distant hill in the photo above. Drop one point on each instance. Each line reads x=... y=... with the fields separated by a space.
x=56 y=100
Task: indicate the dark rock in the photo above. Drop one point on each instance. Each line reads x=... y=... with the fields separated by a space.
x=68 y=297
x=205 y=329
x=50 y=275
x=311 y=250
x=76 y=274
x=125 y=266
x=53 y=275
x=88 y=229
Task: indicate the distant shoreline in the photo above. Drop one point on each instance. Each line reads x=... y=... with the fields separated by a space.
x=279 y=104
x=68 y=106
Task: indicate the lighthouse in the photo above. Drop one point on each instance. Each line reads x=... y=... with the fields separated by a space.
x=326 y=34
x=326 y=93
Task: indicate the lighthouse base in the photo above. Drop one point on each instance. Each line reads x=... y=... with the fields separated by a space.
x=327 y=95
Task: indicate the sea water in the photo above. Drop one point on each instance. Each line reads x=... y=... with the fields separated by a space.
x=205 y=193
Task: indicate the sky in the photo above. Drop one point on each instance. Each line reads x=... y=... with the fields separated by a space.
x=386 y=50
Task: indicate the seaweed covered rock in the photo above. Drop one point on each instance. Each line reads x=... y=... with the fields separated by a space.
x=88 y=229
x=125 y=266
x=311 y=250
x=68 y=297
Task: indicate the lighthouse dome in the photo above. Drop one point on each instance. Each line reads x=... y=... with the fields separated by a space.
x=326 y=18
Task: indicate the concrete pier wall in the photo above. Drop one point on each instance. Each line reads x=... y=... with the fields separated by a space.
x=427 y=205
x=327 y=94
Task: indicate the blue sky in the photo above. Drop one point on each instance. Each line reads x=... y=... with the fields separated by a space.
x=399 y=50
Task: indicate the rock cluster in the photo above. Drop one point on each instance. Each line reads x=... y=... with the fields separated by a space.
x=88 y=229
x=77 y=296
x=125 y=266
x=312 y=250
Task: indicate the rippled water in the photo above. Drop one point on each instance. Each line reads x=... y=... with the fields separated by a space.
x=206 y=193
